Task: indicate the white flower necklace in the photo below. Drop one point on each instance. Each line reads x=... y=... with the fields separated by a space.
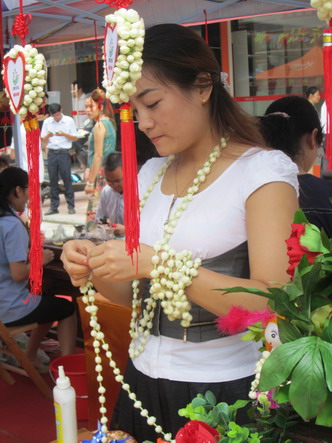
x=180 y=262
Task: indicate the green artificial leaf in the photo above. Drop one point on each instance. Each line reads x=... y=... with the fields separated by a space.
x=282 y=394
x=327 y=332
x=309 y=282
x=324 y=418
x=287 y=331
x=308 y=388
x=284 y=307
x=326 y=353
x=210 y=398
x=223 y=409
x=284 y=358
x=249 y=336
x=247 y=290
x=197 y=401
x=213 y=418
x=318 y=301
x=299 y=217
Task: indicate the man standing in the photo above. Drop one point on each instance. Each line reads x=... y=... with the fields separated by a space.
x=78 y=102
x=58 y=132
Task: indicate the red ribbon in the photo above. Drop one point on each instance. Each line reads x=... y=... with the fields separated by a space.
x=206 y=28
x=116 y=3
x=20 y=26
x=97 y=55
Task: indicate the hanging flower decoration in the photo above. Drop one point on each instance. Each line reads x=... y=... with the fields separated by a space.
x=34 y=81
x=128 y=65
x=116 y=3
x=324 y=9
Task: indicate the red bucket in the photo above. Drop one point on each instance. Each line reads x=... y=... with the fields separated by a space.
x=75 y=368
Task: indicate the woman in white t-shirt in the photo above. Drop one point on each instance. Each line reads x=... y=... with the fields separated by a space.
x=234 y=214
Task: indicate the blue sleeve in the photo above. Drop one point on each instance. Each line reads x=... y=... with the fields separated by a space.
x=16 y=242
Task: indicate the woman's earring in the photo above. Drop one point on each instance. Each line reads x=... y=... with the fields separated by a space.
x=203 y=101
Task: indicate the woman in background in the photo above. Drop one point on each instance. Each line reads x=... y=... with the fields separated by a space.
x=14 y=272
x=102 y=142
x=312 y=94
x=292 y=125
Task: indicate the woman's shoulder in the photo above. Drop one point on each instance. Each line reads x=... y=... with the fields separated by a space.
x=271 y=159
x=262 y=166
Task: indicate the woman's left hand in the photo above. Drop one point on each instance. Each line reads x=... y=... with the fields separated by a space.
x=111 y=262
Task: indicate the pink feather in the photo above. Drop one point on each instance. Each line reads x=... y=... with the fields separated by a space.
x=238 y=319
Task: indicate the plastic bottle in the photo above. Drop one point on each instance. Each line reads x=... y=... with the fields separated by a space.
x=65 y=409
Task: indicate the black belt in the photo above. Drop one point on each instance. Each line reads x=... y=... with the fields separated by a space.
x=56 y=151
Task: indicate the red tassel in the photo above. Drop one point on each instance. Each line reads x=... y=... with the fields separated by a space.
x=36 y=244
x=327 y=52
x=130 y=187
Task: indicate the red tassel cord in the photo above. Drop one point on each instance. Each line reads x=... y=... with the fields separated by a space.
x=130 y=186
x=327 y=53
x=36 y=243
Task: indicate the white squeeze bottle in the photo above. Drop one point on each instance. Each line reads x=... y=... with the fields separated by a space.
x=65 y=409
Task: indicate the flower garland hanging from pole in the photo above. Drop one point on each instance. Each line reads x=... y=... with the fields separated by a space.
x=324 y=12
x=124 y=39
x=24 y=76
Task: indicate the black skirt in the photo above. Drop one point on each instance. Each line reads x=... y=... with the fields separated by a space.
x=163 y=398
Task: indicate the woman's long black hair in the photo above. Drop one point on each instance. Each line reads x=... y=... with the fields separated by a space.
x=10 y=178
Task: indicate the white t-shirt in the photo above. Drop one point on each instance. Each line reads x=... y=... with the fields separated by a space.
x=66 y=125
x=24 y=155
x=213 y=223
x=110 y=205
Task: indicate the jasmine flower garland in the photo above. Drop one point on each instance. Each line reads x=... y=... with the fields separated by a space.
x=172 y=272
x=128 y=66
x=34 y=79
x=324 y=8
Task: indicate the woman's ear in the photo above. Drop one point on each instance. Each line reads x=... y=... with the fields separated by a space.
x=312 y=139
x=203 y=84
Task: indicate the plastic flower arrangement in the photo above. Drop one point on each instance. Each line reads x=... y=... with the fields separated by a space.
x=128 y=66
x=35 y=79
x=299 y=371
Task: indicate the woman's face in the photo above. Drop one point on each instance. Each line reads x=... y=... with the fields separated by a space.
x=315 y=98
x=19 y=198
x=92 y=110
x=173 y=120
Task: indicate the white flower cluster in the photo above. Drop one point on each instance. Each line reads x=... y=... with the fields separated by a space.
x=253 y=394
x=34 y=80
x=324 y=8
x=128 y=66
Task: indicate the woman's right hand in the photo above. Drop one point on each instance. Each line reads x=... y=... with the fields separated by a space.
x=74 y=258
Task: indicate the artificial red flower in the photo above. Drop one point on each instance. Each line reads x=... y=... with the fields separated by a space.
x=197 y=432
x=296 y=250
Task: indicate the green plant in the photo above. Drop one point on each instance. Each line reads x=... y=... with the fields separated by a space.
x=300 y=371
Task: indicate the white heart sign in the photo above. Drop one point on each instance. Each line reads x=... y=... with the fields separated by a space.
x=14 y=74
x=110 y=50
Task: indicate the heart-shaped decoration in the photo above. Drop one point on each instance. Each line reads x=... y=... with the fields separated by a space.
x=14 y=74
x=110 y=50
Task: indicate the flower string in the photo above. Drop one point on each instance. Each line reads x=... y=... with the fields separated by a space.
x=99 y=342
x=172 y=272
x=128 y=66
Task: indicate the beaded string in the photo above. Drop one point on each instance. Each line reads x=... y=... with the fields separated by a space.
x=182 y=266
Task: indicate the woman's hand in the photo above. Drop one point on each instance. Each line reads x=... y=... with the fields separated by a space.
x=48 y=256
x=110 y=262
x=118 y=229
x=74 y=257
x=89 y=189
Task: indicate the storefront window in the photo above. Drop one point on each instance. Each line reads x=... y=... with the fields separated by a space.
x=284 y=56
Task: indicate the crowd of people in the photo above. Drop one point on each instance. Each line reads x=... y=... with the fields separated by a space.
x=228 y=222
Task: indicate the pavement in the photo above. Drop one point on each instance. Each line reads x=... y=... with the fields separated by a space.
x=51 y=223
